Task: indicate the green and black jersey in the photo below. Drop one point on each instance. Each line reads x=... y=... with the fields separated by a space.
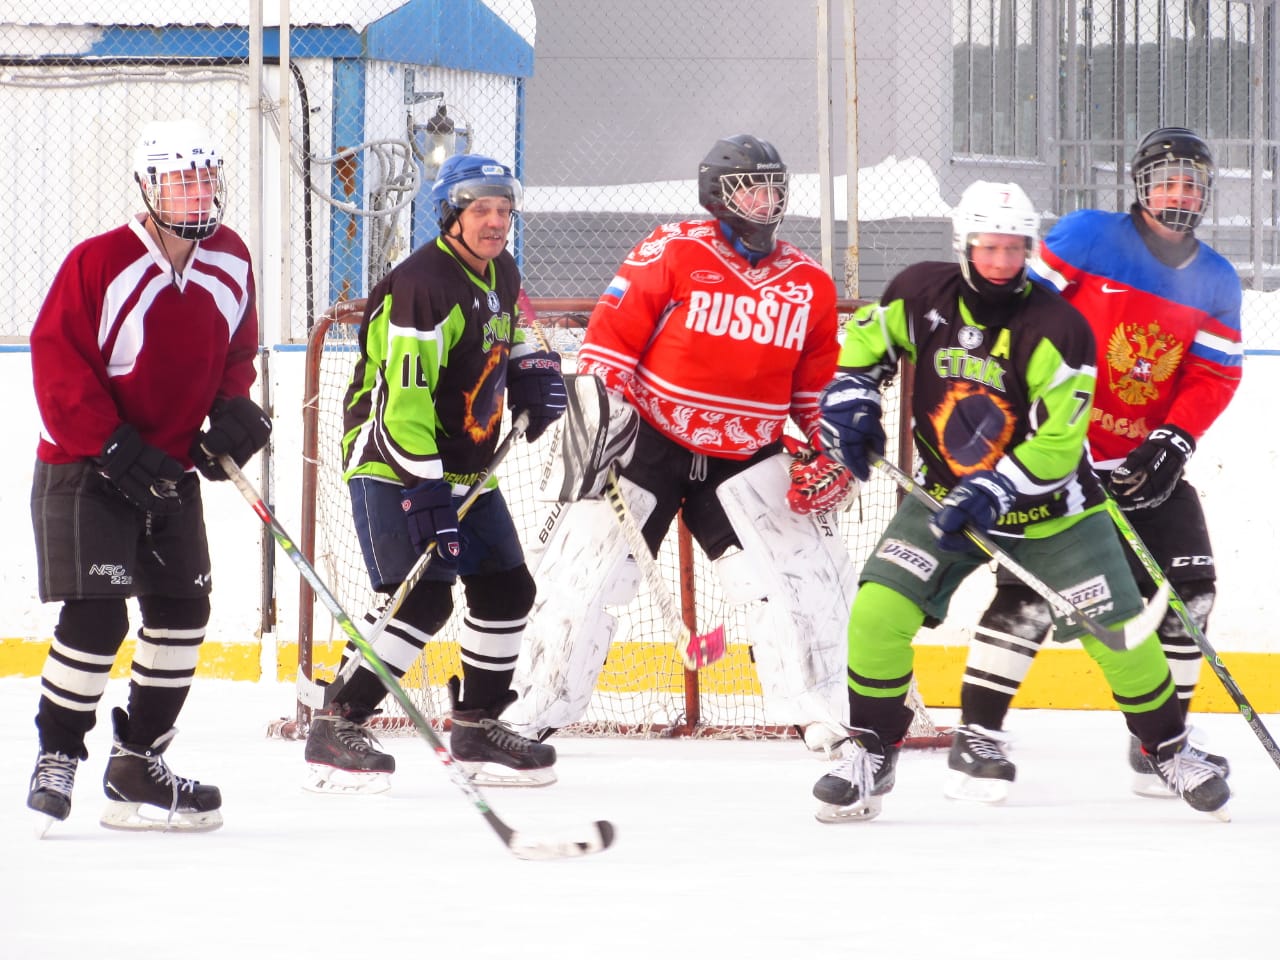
x=1011 y=394
x=426 y=396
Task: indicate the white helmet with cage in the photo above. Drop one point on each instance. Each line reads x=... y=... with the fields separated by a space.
x=987 y=207
x=179 y=170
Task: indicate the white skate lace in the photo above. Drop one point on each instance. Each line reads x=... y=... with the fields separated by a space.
x=1187 y=769
x=56 y=772
x=984 y=744
x=505 y=738
x=353 y=736
x=859 y=768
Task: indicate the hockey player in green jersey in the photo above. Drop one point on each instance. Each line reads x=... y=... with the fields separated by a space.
x=1002 y=388
x=439 y=354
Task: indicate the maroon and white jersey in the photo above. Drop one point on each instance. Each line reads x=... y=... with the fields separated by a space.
x=120 y=339
x=713 y=352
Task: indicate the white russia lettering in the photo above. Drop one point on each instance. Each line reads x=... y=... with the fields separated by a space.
x=744 y=318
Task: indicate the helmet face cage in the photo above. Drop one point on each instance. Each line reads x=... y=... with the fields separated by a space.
x=180 y=174
x=753 y=214
x=1176 y=159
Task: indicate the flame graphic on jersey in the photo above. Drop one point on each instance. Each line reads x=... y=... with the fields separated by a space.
x=1141 y=358
x=477 y=431
x=973 y=427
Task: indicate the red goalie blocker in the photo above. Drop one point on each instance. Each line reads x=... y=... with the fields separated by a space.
x=818 y=483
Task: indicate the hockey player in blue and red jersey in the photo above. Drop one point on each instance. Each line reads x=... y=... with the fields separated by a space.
x=1165 y=312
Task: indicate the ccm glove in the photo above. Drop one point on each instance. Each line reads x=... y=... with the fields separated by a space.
x=432 y=519
x=818 y=483
x=145 y=475
x=1149 y=474
x=534 y=385
x=977 y=501
x=850 y=428
x=238 y=428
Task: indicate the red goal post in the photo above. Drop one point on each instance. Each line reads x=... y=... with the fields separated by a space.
x=644 y=690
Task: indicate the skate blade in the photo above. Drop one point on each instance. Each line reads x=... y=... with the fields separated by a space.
x=867 y=809
x=143 y=816
x=1223 y=813
x=43 y=823
x=485 y=774
x=1151 y=786
x=961 y=786
x=322 y=779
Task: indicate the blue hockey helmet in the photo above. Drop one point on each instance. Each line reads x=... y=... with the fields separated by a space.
x=467 y=177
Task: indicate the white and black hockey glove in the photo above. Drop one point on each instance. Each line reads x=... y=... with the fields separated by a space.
x=1149 y=474
x=146 y=476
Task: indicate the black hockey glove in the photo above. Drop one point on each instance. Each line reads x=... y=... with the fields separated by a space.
x=146 y=476
x=534 y=384
x=1149 y=474
x=237 y=428
x=433 y=519
x=850 y=428
x=977 y=501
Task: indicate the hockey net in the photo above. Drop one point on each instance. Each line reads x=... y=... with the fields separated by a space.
x=644 y=689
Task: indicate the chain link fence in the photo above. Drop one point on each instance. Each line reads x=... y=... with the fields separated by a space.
x=604 y=109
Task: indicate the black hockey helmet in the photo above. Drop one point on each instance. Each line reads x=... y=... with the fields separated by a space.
x=734 y=171
x=1174 y=154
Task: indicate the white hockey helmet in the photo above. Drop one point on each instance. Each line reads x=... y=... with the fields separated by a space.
x=987 y=207
x=180 y=146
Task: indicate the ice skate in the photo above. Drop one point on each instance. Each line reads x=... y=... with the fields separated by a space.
x=1147 y=782
x=343 y=756
x=980 y=770
x=492 y=753
x=853 y=789
x=144 y=794
x=1189 y=772
x=50 y=791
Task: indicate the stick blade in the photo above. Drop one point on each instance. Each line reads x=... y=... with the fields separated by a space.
x=527 y=848
x=702 y=650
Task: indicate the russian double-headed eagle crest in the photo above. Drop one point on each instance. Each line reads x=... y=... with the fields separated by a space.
x=1139 y=359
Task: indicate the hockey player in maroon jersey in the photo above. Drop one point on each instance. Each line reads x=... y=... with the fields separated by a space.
x=148 y=331
x=1165 y=312
x=716 y=332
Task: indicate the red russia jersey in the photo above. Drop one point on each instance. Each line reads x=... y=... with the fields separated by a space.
x=713 y=352
x=119 y=340
x=1169 y=341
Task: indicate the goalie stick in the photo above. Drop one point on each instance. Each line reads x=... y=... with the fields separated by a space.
x=1158 y=577
x=1125 y=637
x=526 y=848
x=695 y=650
x=321 y=695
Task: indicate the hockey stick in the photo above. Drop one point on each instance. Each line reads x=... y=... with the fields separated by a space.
x=1125 y=637
x=1158 y=577
x=526 y=848
x=320 y=695
x=696 y=651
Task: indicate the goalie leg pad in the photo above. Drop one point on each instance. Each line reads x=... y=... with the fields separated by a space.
x=796 y=581
x=582 y=567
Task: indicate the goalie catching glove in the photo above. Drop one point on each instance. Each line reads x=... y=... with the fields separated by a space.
x=238 y=428
x=977 y=501
x=818 y=483
x=1149 y=474
x=535 y=386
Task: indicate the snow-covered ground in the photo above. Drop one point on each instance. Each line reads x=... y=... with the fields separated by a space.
x=717 y=856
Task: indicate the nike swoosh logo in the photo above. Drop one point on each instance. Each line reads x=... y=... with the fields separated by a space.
x=1107 y=289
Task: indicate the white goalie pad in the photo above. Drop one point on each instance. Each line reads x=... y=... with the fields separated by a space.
x=795 y=583
x=581 y=566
